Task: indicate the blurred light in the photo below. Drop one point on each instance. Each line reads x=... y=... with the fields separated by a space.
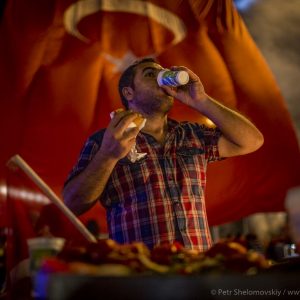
x=3 y=190
x=244 y=5
x=23 y=194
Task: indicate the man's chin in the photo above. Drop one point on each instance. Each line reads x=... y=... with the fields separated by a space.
x=167 y=104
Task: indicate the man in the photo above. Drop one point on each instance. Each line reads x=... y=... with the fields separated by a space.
x=159 y=198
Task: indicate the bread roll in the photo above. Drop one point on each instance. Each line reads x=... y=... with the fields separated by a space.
x=139 y=121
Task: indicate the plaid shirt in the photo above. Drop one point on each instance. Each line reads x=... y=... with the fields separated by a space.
x=159 y=198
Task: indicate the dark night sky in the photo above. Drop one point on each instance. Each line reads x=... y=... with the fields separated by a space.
x=275 y=27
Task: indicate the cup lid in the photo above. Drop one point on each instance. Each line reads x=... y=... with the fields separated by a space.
x=182 y=77
x=56 y=243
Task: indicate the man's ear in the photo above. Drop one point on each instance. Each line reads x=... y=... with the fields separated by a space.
x=127 y=92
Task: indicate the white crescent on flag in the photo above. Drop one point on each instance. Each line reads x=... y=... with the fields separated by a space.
x=81 y=9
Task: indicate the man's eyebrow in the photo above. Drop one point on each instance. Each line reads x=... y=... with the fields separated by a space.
x=149 y=68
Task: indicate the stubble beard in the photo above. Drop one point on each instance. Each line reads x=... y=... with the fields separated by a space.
x=153 y=104
x=159 y=106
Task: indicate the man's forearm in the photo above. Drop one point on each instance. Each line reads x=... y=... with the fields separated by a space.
x=235 y=127
x=82 y=192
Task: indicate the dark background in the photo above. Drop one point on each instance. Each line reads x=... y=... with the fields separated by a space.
x=275 y=27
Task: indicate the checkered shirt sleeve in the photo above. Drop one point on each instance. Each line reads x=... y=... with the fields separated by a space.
x=210 y=137
x=87 y=153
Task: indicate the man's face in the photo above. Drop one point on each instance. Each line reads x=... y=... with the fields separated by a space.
x=148 y=97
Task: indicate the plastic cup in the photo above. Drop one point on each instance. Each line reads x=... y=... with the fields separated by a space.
x=41 y=248
x=172 y=78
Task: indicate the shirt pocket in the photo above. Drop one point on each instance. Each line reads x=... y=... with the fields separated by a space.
x=189 y=153
x=132 y=174
x=191 y=162
x=126 y=182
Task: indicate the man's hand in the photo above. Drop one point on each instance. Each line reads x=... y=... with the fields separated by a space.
x=118 y=140
x=192 y=93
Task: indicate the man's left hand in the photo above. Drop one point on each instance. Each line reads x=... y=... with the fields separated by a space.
x=191 y=93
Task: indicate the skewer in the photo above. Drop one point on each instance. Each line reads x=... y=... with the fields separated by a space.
x=21 y=163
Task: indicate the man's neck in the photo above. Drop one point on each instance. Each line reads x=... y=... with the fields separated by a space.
x=157 y=126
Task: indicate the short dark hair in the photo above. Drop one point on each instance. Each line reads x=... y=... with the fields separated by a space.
x=127 y=77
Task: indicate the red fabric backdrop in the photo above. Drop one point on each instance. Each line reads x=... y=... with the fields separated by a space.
x=60 y=62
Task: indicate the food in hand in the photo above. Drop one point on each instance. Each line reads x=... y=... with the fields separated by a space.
x=139 y=121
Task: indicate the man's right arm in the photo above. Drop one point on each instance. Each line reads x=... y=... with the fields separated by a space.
x=83 y=190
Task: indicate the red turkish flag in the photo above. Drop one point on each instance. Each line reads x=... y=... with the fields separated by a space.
x=60 y=63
